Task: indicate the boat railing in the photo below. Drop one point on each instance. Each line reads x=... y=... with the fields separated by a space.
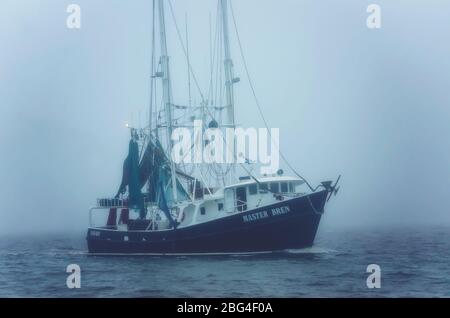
x=116 y=203
x=104 y=209
x=112 y=203
x=241 y=206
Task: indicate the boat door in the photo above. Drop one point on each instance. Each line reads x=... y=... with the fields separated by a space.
x=241 y=199
x=229 y=200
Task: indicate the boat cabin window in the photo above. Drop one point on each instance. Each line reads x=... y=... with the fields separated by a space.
x=263 y=186
x=253 y=189
x=202 y=211
x=274 y=187
x=296 y=186
x=284 y=187
x=220 y=206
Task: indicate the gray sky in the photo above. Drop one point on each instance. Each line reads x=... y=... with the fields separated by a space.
x=372 y=105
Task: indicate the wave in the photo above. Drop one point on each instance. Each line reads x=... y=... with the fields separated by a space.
x=311 y=250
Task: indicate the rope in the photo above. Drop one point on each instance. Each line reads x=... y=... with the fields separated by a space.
x=312 y=206
x=184 y=51
x=257 y=101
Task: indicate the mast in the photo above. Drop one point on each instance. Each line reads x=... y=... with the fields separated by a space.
x=229 y=79
x=150 y=187
x=167 y=92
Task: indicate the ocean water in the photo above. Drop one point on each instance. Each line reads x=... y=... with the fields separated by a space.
x=414 y=263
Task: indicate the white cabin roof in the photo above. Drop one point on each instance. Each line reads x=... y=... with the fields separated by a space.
x=265 y=180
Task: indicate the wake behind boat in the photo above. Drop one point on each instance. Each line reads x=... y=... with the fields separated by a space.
x=165 y=206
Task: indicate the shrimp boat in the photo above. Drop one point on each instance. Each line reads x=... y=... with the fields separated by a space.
x=165 y=207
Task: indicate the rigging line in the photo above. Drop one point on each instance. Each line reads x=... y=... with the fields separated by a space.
x=212 y=48
x=211 y=59
x=184 y=50
x=188 y=61
x=219 y=72
x=150 y=118
x=214 y=81
x=219 y=92
x=257 y=101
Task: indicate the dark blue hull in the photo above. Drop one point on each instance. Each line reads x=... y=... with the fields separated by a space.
x=290 y=224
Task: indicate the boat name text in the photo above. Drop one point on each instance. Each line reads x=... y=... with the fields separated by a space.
x=263 y=214
x=255 y=216
x=280 y=211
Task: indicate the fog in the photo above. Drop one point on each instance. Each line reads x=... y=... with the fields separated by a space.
x=371 y=105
